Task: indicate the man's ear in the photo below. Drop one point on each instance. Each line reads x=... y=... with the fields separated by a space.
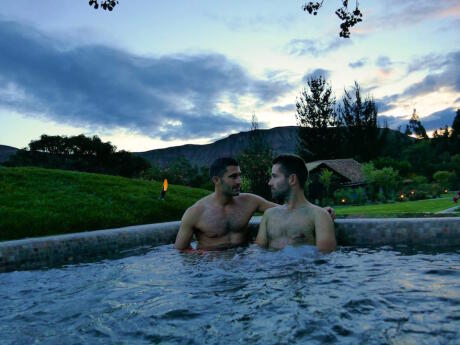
x=215 y=179
x=292 y=179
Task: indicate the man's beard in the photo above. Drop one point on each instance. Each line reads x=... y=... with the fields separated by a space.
x=229 y=191
x=280 y=196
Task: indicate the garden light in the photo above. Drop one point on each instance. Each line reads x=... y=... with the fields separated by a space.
x=402 y=196
x=344 y=201
x=445 y=190
x=165 y=188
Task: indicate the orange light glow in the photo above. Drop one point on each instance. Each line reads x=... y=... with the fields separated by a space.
x=165 y=185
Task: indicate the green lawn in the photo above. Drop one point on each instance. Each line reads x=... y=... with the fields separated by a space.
x=38 y=202
x=398 y=208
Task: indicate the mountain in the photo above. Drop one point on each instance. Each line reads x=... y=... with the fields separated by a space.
x=280 y=139
x=6 y=152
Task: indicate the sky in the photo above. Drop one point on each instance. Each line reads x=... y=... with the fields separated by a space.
x=154 y=74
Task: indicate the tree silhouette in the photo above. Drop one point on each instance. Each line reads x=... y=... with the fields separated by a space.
x=416 y=127
x=315 y=118
x=348 y=17
x=104 y=4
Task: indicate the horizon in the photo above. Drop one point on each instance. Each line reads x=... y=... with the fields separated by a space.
x=154 y=75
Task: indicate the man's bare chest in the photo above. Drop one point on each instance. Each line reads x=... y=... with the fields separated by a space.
x=291 y=225
x=219 y=222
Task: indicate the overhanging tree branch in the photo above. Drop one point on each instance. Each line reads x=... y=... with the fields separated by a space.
x=348 y=17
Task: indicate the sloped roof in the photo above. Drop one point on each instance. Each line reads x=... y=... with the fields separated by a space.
x=348 y=168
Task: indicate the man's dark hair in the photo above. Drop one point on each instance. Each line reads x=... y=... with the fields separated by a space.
x=293 y=164
x=219 y=166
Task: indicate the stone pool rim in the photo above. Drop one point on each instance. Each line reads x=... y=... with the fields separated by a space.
x=57 y=250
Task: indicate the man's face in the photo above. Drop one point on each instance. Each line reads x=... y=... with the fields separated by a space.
x=279 y=184
x=231 y=181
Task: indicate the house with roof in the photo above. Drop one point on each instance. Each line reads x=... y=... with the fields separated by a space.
x=346 y=173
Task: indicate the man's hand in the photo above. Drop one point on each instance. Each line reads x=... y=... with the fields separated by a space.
x=331 y=212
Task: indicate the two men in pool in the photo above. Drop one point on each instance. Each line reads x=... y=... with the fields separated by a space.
x=220 y=220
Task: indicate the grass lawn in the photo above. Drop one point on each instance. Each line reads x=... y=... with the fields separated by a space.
x=398 y=208
x=39 y=202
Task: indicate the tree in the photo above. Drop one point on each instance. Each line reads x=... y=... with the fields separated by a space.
x=256 y=161
x=455 y=133
x=315 y=117
x=105 y=4
x=349 y=18
x=416 y=127
x=358 y=119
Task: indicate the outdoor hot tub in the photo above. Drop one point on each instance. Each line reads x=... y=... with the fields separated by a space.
x=393 y=282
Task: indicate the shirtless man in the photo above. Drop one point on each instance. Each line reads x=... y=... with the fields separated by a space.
x=220 y=220
x=299 y=221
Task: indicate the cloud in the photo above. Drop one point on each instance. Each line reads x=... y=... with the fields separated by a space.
x=101 y=87
x=399 y=13
x=431 y=62
x=284 y=108
x=315 y=74
x=315 y=48
x=439 y=119
x=431 y=122
x=386 y=103
x=358 y=63
x=449 y=77
x=444 y=74
x=383 y=62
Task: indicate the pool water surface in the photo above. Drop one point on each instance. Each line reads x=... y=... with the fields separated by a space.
x=245 y=295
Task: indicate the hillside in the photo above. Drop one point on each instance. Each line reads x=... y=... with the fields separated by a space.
x=6 y=152
x=280 y=140
x=39 y=202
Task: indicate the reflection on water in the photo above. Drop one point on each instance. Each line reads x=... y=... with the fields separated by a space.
x=243 y=295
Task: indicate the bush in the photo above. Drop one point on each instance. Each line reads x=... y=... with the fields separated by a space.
x=353 y=196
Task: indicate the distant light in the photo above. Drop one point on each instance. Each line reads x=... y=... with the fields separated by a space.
x=412 y=192
x=402 y=196
x=344 y=201
x=445 y=190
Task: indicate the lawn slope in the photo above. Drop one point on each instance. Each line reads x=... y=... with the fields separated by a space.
x=39 y=202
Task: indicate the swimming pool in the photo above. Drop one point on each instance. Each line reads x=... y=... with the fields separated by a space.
x=380 y=295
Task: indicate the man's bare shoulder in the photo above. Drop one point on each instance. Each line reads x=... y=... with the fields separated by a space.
x=274 y=211
x=316 y=211
x=198 y=207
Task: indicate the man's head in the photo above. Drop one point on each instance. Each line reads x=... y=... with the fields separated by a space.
x=288 y=173
x=226 y=176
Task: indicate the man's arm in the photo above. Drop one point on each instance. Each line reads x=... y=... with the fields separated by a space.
x=324 y=229
x=262 y=238
x=185 y=234
x=262 y=204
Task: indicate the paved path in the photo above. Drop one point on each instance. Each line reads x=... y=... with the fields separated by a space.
x=449 y=210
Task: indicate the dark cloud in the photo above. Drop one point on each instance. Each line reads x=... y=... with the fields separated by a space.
x=431 y=62
x=168 y=97
x=383 y=62
x=439 y=119
x=386 y=103
x=358 y=63
x=431 y=122
x=449 y=77
x=315 y=74
x=445 y=74
x=314 y=48
x=284 y=108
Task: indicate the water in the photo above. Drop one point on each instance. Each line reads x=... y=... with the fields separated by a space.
x=244 y=295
